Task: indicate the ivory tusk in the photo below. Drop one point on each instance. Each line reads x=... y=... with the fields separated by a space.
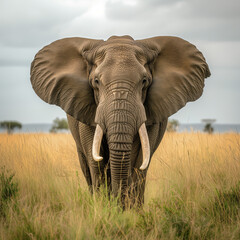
x=145 y=146
x=97 y=143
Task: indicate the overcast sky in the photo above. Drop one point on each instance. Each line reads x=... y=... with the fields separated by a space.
x=28 y=25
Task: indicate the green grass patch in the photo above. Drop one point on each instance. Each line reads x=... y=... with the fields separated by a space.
x=8 y=190
x=226 y=205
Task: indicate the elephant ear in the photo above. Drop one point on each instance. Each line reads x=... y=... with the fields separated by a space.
x=178 y=71
x=59 y=75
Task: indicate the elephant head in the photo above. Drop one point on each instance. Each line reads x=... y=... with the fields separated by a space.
x=119 y=86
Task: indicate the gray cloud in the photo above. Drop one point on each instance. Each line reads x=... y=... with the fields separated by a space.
x=213 y=9
x=27 y=25
x=16 y=56
x=138 y=11
x=32 y=22
x=205 y=20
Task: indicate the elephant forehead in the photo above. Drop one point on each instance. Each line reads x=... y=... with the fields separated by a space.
x=121 y=53
x=120 y=61
x=125 y=66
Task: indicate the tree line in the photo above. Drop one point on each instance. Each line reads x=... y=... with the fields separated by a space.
x=60 y=124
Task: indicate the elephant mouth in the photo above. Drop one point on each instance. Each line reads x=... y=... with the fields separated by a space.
x=98 y=135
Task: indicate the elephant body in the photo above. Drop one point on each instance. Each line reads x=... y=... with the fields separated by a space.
x=118 y=95
x=97 y=172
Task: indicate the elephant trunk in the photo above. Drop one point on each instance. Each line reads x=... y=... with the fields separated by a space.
x=144 y=143
x=121 y=117
x=122 y=120
x=120 y=139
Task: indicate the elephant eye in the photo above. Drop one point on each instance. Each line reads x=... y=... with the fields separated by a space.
x=96 y=81
x=144 y=82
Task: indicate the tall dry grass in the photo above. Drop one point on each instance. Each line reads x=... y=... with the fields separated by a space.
x=192 y=191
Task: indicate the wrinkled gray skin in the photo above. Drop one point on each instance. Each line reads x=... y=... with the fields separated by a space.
x=132 y=82
x=126 y=158
x=120 y=91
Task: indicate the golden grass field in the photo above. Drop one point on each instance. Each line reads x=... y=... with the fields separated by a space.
x=192 y=191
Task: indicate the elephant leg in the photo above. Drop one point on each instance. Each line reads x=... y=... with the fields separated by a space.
x=74 y=128
x=97 y=173
x=83 y=136
x=97 y=169
x=155 y=133
x=85 y=169
x=100 y=171
x=138 y=182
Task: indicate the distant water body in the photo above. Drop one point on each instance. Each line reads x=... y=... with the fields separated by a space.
x=218 y=128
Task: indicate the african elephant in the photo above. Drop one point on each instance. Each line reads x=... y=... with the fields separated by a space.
x=118 y=95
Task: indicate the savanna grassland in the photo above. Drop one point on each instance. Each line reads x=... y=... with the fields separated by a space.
x=192 y=192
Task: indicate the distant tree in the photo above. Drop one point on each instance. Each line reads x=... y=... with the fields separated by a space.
x=10 y=125
x=59 y=124
x=208 y=126
x=172 y=125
